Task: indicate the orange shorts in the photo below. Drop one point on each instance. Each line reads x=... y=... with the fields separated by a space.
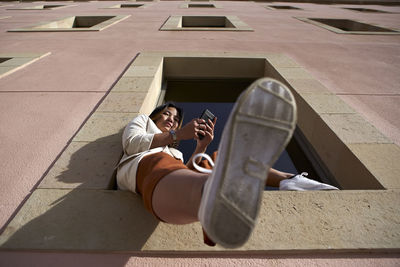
x=152 y=169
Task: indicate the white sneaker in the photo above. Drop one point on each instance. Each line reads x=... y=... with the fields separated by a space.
x=258 y=129
x=301 y=183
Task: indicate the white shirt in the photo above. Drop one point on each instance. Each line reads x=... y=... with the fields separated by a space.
x=136 y=141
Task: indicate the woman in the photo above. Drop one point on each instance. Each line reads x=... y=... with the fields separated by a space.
x=228 y=204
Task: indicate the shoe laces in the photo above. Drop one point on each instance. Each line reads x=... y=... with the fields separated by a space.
x=304 y=174
x=199 y=168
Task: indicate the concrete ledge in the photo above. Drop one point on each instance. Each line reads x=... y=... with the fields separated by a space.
x=201 y=5
x=377 y=29
x=205 y=23
x=17 y=61
x=128 y=6
x=101 y=125
x=119 y=102
x=97 y=220
x=66 y=25
x=86 y=165
x=358 y=155
x=49 y=6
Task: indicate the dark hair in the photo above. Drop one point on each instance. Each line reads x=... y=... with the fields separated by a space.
x=160 y=109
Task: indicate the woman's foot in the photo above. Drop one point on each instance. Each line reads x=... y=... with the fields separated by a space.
x=258 y=129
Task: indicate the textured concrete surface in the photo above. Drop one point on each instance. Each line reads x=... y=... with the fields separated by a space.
x=88 y=165
x=85 y=165
x=96 y=220
x=45 y=103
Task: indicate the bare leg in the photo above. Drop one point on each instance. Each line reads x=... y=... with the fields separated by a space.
x=176 y=198
x=275 y=176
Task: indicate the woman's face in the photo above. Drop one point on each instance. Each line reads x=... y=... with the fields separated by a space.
x=168 y=120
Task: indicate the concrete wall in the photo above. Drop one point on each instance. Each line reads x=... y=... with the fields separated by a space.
x=44 y=104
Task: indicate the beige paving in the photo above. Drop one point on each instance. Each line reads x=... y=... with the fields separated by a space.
x=85 y=165
x=133 y=84
x=383 y=161
x=102 y=125
x=18 y=61
x=98 y=220
x=122 y=102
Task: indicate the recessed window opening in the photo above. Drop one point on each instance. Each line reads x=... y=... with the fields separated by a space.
x=131 y=5
x=351 y=25
x=367 y=10
x=74 y=23
x=89 y=21
x=41 y=7
x=51 y=6
x=219 y=94
x=285 y=7
x=206 y=22
x=4 y=59
x=201 y=6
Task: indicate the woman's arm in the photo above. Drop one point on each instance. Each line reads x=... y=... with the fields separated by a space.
x=189 y=131
x=136 y=138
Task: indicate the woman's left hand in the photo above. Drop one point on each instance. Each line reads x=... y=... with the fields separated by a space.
x=207 y=130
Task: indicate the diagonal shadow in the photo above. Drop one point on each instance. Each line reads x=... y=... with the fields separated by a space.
x=76 y=209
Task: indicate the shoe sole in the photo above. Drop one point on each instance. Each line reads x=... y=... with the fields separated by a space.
x=266 y=111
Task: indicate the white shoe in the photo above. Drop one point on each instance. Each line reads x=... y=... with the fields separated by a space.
x=301 y=183
x=258 y=129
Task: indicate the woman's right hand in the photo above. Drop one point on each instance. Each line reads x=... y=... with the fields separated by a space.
x=191 y=129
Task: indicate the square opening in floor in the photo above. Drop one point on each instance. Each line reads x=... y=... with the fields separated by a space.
x=130 y=5
x=201 y=5
x=366 y=10
x=75 y=23
x=284 y=7
x=349 y=26
x=205 y=23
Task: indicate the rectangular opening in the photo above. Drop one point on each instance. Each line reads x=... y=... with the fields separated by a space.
x=366 y=10
x=201 y=6
x=130 y=5
x=4 y=59
x=284 y=7
x=348 y=25
x=89 y=21
x=215 y=83
x=206 y=22
x=74 y=23
x=51 y=6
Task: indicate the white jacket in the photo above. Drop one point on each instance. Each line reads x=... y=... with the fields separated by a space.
x=136 y=140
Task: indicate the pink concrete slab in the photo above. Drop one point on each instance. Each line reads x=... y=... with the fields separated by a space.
x=34 y=129
x=89 y=63
x=385 y=112
x=83 y=74
x=359 y=67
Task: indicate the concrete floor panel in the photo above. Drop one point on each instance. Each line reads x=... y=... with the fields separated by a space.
x=85 y=165
x=98 y=220
x=34 y=130
x=40 y=113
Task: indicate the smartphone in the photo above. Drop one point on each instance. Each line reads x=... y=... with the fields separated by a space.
x=206 y=115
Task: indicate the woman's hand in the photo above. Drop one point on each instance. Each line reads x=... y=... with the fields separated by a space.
x=195 y=128
x=207 y=131
x=190 y=130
